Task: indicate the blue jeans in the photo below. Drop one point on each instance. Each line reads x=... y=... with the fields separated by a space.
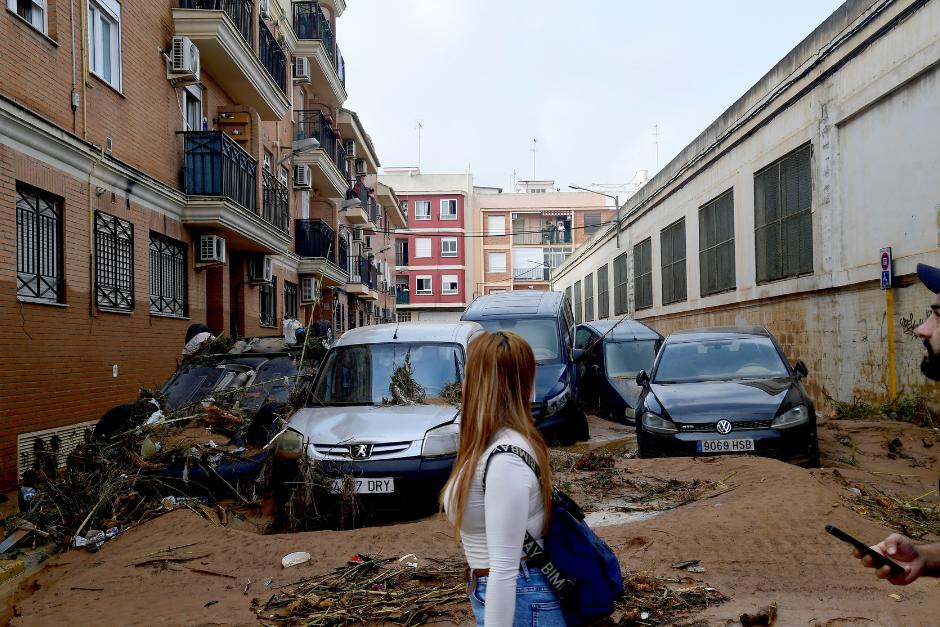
x=536 y=603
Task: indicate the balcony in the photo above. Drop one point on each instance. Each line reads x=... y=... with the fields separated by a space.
x=271 y=55
x=275 y=204
x=316 y=146
x=531 y=274
x=359 y=214
x=222 y=29
x=402 y=297
x=363 y=279
x=538 y=230
x=401 y=258
x=315 y=244
x=220 y=181
x=315 y=40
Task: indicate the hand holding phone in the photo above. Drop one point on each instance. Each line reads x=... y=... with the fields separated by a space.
x=879 y=559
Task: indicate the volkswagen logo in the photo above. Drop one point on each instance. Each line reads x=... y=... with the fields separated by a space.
x=723 y=427
x=362 y=451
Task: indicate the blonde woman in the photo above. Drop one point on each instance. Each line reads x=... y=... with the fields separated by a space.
x=492 y=523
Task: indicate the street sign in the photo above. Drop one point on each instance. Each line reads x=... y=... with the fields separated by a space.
x=886 y=268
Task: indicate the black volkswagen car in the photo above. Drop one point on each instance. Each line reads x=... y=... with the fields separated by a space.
x=727 y=390
x=615 y=351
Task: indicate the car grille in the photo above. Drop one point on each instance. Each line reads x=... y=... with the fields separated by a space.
x=741 y=425
x=378 y=450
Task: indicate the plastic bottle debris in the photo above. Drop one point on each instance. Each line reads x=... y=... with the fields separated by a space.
x=155 y=418
x=147 y=448
x=293 y=559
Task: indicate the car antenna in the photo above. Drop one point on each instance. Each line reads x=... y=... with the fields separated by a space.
x=395 y=335
x=590 y=347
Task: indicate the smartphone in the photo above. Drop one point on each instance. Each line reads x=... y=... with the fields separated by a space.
x=880 y=560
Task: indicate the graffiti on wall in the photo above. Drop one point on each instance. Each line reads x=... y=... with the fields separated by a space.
x=909 y=324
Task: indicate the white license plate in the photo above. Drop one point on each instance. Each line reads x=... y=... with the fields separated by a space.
x=366 y=486
x=725 y=446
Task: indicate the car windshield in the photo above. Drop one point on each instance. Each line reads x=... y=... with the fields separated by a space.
x=362 y=375
x=626 y=359
x=540 y=333
x=722 y=360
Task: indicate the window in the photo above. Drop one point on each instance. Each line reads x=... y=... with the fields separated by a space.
x=583 y=337
x=267 y=308
x=496 y=262
x=33 y=11
x=104 y=40
x=114 y=262
x=449 y=284
x=589 y=297
x=672 y=241
x=404 y=316
x=495 y=225
x=577 y=303
x=167 y=276
x=716 y=245
x=783 y=217
x=449 y=247
x=38 y=245
x=290 y=299
x=642 y=274
x=422 y=210
x=449 y=209
x=621 y=283
x=192 y=108
x=592 y=222
x=603 y=295
x=403 y=205
x=568 y=293
x=423 y=286
x=422 y=247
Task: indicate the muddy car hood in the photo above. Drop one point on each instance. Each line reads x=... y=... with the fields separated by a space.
x=709 y=401
x=365 y=423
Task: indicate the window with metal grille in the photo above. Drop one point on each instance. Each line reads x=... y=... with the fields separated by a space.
x=267 y=307
x=167 y=276
x=577 y=302
x=621 y=282
x=783 y=217
x=716 y=245
x=38 y=244
x=672 y=241
x=114 y=262
x=589 y=297
x=568 y=293
x=642 y=274
x=290 y=299
x=603 y=293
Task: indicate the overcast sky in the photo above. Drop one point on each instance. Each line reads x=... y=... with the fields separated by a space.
x=588 y=79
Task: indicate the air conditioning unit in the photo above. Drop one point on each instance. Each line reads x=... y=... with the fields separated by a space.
x=184 y=59
x=302 y=177
x=357 y=235
x=350 y=148
x=301 y=70
x=309 y=289
x=360 y=167
x=211 y=249
x=260 y=269
x=264 y=7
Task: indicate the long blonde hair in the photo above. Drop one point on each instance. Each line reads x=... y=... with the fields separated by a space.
x=497 y=393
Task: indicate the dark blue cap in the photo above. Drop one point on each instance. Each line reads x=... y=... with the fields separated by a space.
x=929 y=276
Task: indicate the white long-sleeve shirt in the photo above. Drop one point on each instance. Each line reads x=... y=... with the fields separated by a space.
x=494 y=524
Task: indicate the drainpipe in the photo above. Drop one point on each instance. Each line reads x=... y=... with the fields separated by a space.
x=84 y=36
x=74 y=93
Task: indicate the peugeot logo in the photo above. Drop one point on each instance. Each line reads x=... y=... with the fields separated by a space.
x=723 y=427
x=360 y=451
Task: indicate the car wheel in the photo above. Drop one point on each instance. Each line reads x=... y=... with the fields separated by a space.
x=577 y=430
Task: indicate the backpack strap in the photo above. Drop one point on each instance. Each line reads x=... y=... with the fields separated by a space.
x=519 y=452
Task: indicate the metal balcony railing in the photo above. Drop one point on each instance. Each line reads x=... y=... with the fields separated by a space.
x=531 y=274
x=275 y=206
x=341 y=163
x=402 y=297
x=342 y=255
x=401 y=258
x=239 y=11
x=271 y=55
x=363 y=272
x=340 y=66
x=315 y=238
x=311 y=23
x=375 y=211
x=215 y=165
x=312 y=123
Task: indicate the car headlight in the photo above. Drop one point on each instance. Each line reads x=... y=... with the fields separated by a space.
x=442 y=440
x=555 y=403
x=797 y=416
x=657 y=424
x=289 y=444
x=630 y=413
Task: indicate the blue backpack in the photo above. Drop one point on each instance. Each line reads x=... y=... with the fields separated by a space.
x=581 y=568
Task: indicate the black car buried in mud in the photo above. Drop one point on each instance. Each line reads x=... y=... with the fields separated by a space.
x=726 y=390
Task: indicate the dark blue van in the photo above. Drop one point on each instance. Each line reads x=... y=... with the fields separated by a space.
x=545 y=320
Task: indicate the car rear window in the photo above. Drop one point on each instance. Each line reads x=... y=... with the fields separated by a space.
x=720 y=360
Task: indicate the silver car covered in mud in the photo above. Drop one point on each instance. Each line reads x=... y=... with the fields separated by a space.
x=383 y=411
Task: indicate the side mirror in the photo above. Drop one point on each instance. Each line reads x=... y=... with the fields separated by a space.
x=800 y=368
x=642 y=379
x=577 y=354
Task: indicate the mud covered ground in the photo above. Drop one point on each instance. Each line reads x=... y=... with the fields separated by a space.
x=754 y=525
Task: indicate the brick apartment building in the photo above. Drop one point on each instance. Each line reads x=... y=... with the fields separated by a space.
x=164 y=163
x=434 y=270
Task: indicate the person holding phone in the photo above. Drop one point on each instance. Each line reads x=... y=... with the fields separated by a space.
x=917 y=559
